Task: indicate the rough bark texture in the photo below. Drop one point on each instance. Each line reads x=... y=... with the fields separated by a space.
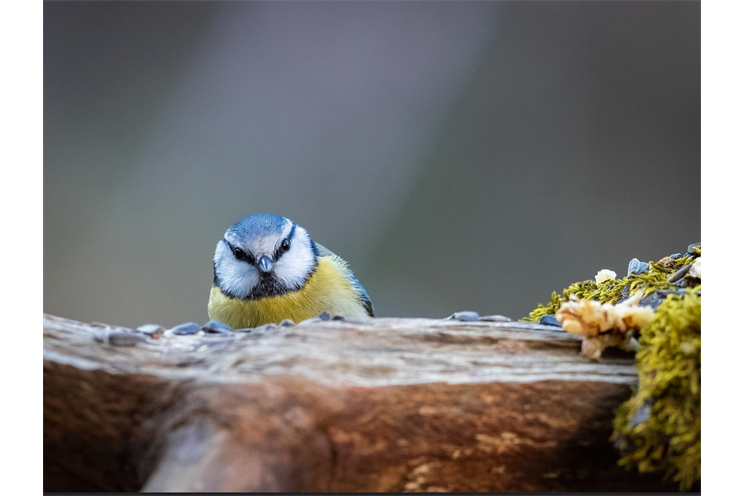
x=389 y=405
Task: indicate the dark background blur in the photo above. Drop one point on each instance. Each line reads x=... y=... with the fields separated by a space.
x=461 y=156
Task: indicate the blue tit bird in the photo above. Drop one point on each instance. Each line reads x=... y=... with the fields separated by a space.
x=267 y=269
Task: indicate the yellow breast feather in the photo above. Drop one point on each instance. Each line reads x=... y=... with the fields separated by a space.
x=328 y=289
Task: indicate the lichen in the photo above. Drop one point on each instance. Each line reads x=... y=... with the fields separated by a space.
x=610 y=291
x=604 y=275
x=603 y=325
x=659 y=428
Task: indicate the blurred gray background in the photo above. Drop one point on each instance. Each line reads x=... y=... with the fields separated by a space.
x=461 y=156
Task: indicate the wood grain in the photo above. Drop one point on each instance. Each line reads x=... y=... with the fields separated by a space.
x=386 y=405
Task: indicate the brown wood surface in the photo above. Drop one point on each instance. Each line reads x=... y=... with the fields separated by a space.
x=386 y=405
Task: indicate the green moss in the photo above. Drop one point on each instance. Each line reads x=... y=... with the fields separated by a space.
x=582 y=289
x=659 y=428
x=653 y=279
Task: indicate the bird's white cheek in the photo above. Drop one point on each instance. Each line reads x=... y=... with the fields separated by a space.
x=237 y=278
x=293 y=268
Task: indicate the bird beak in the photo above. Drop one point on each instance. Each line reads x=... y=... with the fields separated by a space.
x=265 y=264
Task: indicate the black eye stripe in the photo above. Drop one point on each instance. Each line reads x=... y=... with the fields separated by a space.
x=247 y=256
x=240 y=253
x=281 y=250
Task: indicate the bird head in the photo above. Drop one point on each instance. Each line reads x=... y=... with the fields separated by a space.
x=263 y=255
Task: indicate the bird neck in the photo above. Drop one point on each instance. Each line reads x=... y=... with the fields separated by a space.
x=328 y=289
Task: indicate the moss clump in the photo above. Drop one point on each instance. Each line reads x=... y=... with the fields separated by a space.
x=582 y=289
x=653 y=279
x=659 y=428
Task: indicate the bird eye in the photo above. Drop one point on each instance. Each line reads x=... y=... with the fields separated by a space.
x=239 y=254
x=285 y=245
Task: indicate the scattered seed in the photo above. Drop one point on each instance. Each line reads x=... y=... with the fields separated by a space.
x=641 y=414
x=186 y=328
x=216 y=327
x=691 y=248
x=154 y=331
x=680 y=273
x=637 y=267
x=466 y=316
x=549 y=320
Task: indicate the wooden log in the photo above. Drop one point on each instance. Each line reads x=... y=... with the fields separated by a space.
x=386 y=405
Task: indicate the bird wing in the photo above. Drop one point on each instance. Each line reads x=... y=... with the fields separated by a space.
x=364 y=297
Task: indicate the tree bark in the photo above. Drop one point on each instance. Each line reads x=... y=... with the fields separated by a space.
x=386 y=405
